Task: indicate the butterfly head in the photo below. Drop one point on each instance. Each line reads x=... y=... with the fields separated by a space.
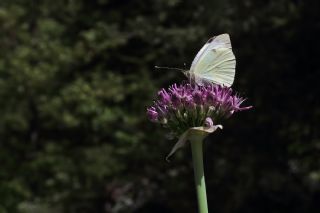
x=191 y=76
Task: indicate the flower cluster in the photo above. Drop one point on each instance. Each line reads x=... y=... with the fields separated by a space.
x=184 y=106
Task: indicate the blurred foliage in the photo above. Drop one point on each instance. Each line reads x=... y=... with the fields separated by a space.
x=76 y=77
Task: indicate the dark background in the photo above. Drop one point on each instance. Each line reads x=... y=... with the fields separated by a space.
x=76 y=78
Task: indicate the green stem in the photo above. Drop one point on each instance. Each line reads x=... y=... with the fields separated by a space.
x=197 y=157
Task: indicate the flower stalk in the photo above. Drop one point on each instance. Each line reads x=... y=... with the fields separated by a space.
x=196 y=141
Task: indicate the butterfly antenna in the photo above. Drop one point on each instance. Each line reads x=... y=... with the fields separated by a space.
x=169 y=68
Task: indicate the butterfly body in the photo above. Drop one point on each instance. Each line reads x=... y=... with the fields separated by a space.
x=214 y=63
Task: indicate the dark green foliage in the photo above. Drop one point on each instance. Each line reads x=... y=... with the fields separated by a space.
x=76 y=77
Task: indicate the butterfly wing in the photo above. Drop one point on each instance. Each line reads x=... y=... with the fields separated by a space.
x=215 y=62
x=199 y=54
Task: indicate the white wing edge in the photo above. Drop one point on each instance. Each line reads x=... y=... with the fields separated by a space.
x=199 y=54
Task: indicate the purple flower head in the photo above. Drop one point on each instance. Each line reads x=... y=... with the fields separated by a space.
x=180 y=95
x=152 y=114
x=211 y=97
x=164 y=97
x=198 y=97
x=208 y=122
x=176 y=100
x=189 y=102
x=183 y=106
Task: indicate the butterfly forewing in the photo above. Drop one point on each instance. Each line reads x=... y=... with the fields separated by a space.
x=199 y=54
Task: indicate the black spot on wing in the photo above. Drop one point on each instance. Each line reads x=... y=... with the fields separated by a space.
x=211 y=39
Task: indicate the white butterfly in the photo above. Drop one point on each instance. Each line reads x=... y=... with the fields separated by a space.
x=215 y=62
